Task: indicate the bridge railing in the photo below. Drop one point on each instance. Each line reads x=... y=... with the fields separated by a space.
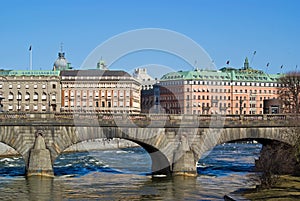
x=146 y=119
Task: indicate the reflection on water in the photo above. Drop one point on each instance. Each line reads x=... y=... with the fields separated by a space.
x=124 y=175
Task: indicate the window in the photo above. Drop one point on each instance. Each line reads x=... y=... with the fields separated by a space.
x=43 y=86
x=35 y=96
x=44 y=96
x=53 y=86
x=27 y=86
x=10 y=86
x=19 y=97
x=10 y=96
x=35 y=86
x=27 y=96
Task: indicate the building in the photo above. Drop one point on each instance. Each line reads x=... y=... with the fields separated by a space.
x=149 y=93
x=273 y=106
x=34 y=91
x=144 y=78
x=97 y=90
x=224 y=91
x=66 y=90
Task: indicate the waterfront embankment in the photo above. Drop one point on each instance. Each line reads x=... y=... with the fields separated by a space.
x=287 y=188
x=99 y=144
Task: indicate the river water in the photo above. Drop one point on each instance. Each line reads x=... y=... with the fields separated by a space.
x=125 y=175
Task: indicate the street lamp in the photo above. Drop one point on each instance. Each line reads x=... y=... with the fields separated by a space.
x=241 y=107
x=1 y=105
x=49 y=103
x=18 y=99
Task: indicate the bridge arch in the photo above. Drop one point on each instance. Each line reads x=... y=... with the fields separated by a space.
x=12 y=137
x=154 y=147
x=214 y=136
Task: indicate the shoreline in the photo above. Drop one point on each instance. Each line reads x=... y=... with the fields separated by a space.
x=287 y=188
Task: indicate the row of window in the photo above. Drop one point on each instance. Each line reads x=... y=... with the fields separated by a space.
x=27 y=107
x=96 y=93
x=97 y=85
x=218 y=83
x=209 y=105
x=27 y=96
x=207 y=97
x=35 y=86
x=96 y=104
x=236 y=91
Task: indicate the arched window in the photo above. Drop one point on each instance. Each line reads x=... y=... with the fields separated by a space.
x=44 y=96
x=35 y=96
x=27 y=96
x=10 y=96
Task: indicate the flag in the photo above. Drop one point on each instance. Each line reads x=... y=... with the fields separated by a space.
x=30 y=48
x=268 y=64
x=281 y=66
x=227 y=62
x=254 y=52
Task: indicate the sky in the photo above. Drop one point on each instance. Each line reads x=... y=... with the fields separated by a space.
x=227 y=30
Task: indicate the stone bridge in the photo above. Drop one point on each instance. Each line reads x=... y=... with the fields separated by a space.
x=174 y=142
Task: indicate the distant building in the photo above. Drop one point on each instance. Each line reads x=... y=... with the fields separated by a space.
x=273 y=106
x=144 y=78
x=30 y=91
x=149 y=93
x=63 y=89
x=103 y=91
x=224 y=91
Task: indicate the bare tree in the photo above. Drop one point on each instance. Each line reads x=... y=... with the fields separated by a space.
x=289 y=91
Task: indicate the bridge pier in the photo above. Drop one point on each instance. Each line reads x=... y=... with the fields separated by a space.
x=185 y=165
x=39 y=163
x=184 y=162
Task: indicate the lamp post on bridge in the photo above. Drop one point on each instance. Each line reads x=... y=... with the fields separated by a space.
x=241 y=107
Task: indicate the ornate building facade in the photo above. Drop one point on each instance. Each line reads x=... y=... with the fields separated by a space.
x=34 y=91
x=224 y=91
x=66 y=90
x=102 y=91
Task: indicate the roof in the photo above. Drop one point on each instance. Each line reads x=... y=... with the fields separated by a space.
x=224 y=74
x=29 y=73
x=95 y=73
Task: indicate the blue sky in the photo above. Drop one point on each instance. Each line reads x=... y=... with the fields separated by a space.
x=226 y=29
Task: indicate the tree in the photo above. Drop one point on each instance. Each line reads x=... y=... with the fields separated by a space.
x=289 y=91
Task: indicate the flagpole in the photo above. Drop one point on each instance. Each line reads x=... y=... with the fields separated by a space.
x=30 y=57
x=252 y=58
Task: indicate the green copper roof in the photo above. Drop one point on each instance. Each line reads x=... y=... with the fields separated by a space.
x=29 y=73
x=224 y=74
